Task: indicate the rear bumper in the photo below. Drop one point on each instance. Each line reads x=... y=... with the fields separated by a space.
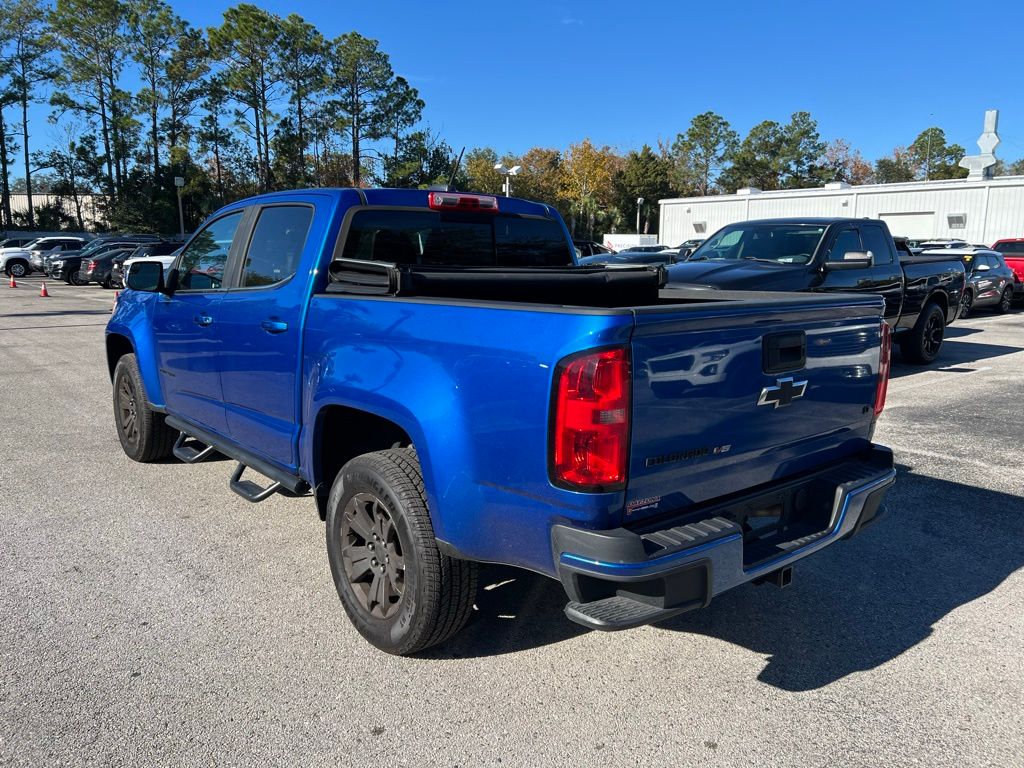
x=621 y=578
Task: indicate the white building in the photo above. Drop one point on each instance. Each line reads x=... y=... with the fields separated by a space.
x=979 y=209
x=976 y=210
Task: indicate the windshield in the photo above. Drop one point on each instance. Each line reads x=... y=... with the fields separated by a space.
x=92 y=247
x=774 y=243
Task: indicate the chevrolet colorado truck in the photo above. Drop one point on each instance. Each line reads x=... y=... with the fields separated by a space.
x=451 y=388
x=922 y=294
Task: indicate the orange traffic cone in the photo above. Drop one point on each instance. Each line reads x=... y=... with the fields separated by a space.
x=43 y=292
x=13 y=283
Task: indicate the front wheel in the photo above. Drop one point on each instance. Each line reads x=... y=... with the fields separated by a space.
x=967 y=303
x=399 y=590
x=75 y=279
x=922 y=343
x=1006 y=301
x=17 y=269
x=142 y=431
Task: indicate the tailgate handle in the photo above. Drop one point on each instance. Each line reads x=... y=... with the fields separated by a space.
x=784 y=352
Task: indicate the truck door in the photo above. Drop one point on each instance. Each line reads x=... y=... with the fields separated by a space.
x=185 y=326
x=260 y=327
x=886 y=272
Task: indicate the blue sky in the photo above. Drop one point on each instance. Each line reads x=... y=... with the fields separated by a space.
x=518 y=74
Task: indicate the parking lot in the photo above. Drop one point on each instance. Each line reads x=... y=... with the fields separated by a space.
x=150 y=616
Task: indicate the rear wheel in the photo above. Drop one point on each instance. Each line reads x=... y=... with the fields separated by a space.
x=75 y=279
x=922 y=344
x=142 y=431
x=1005 y=301
x=400 y=592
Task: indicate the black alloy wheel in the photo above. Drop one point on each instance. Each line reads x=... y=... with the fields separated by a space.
x=76 y=279
x=1006 y=301
x=966 y=303
x=934 y=331
x=372 y=555
x=127 y=413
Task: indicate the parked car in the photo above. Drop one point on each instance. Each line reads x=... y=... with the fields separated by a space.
x=587 y=248
x=990 y=282
x=17 y=262
x=685 y=248
x=165 y=259
x=1012 y=251
x=631 y=257
x=67 y=268
x=98 y=268
x=931 y=245
x=922 y=295
x=16 y=242
x=453 y=389
x=161 y=248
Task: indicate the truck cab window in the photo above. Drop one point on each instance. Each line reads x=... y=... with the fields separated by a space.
x=201 y=266
x=846 y=242
x=276 y=245
x=875 y=242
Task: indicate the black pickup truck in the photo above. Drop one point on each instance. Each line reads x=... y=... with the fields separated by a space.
x=922 y=295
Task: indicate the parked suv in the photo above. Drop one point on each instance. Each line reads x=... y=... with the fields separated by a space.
x=99 y=268
x=67 y=268
x=162 y=248
x=990 y=283
x=18 y=262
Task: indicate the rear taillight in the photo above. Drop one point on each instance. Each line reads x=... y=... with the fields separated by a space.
x=884 y=363
x=456 y=201
x=590 y=440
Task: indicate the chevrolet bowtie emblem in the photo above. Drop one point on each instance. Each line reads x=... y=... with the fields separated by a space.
x=784 y=392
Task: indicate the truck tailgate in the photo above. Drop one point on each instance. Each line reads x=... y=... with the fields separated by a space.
x=719 y=401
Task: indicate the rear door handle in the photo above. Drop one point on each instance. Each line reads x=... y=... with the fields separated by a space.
x=203 y=320
x=274 y=326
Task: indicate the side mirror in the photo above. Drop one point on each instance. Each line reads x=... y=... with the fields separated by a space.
x=146 y=276
x=851 y=260
x=982 y=268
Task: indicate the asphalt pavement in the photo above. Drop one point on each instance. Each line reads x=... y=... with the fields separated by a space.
x=149 y=616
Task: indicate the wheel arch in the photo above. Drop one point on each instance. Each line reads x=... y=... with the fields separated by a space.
x=342 y=432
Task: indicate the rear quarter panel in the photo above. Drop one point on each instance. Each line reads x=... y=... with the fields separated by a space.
x=471 y=385
x=927 y=281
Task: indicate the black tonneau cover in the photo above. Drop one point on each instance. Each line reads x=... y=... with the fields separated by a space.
x=631 y=285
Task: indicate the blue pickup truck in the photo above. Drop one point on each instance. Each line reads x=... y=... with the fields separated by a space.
x=451 y=388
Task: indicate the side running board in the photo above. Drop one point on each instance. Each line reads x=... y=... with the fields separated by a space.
x=280 y=479
x=190 y=454
x=249 y=490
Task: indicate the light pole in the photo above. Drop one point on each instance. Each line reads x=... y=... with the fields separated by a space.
x=179 y=182
x=639 y=203
x=508 y=173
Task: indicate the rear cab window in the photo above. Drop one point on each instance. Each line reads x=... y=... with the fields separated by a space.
x=450 y=238
x=275 y=247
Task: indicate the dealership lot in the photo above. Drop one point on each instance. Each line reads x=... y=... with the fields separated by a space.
x=149 y=615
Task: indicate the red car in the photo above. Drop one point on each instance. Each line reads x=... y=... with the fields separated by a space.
x=1012 y=249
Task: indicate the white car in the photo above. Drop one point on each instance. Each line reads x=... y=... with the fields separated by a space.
x=167 y=261
x=17 y=262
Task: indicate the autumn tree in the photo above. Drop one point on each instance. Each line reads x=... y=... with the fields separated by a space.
x=841 y=163
x=900 y=166
x=698 y=155
x=587 y=182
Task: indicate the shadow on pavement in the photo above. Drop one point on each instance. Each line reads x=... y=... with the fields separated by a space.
x=852 y=607
x=953 y=354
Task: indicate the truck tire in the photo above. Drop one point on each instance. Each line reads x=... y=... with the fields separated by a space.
x=1005 y=301
x=921 y=345
x=399 y=590
x=142 y=431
